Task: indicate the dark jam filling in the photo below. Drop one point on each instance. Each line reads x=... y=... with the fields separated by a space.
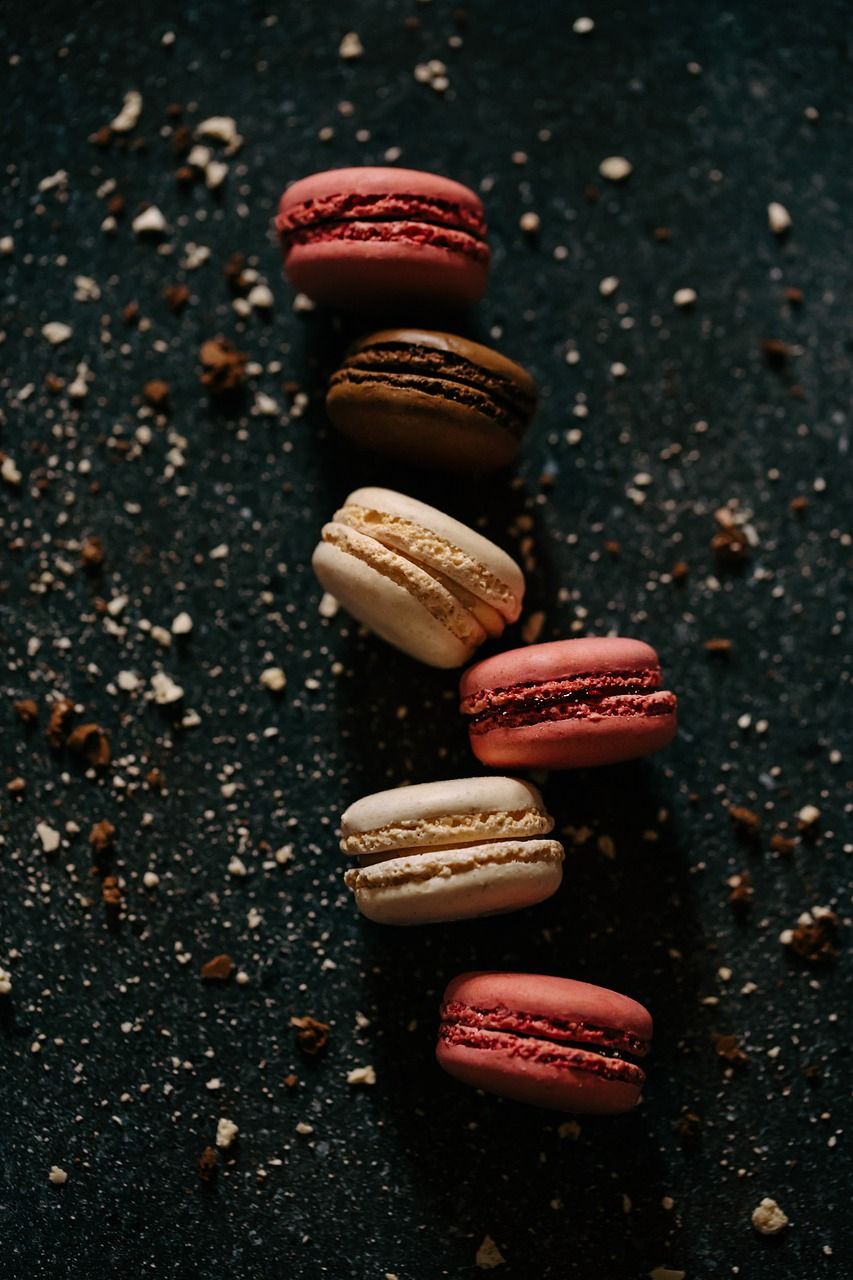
x=573 y=1032
x=533 y=704
x=610 y=1064
x=442 y=366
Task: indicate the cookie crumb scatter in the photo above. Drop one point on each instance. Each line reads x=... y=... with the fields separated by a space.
x=768 y=1217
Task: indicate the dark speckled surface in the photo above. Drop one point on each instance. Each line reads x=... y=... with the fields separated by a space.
x=406 y=1177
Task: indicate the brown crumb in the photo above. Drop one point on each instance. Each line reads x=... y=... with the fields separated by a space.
x=740 y=891
x=794 y=296
x=728 y=1048
x=799 y=505
x=746 y=822
x=27 y=711
x=186 y=175
x=233 y=270
x=613 y=548
x=784 y=845
x=813 y=1074
x=718 y=647
x=219 y=969
x=54 y=383
x=177 y=296
x=182 y=140
x=311 y=1035
x=813 y=940
x=101 y=137
x=680 y=572
x=92 y=553
x=56 y=725
x=290 y=1081
x=688 y=1128
x=17 y=786
x=101 y=837
x=157 y=393
x=91 y=744
x=130 y=313
x=223 y=366
x=155 y=779
x=730 y=546
x=663 y=235
x=591 y=193
x=776 y=352
x=207 y=1164
x=111 y=893
x=115 y=205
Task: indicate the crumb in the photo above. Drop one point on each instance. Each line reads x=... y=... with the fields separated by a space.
x=746 y=822
x=101 y=838
x=90 y=743
x=157 y=393
x=778 y=218
x=740 y=891
x=27 y=711
x=226 y=1132
x=207 y=1165
x=311 y=1036
x=615 y=168
x=274 y=679
x=92 y=553
x=530 y=223
x=111 y=893
x=176 y=296
x=361 y=1075
x=776 y=352
x=49 y=837
x=350 y=47
x=728 y=1048
x=150 y=222
x=223 y=366
x=718 y=647
x=768 y=1218
x=55 y=332
x=688 y=1128
x=57 y=1176
x=813 y=938
x=489 y=1255
x=56 y=725
x=684 y=297
x=218 y=969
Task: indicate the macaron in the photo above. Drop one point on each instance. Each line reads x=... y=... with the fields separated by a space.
x=567 y=704
x=450 y=850
x=419 y=579
x=354 y=237
x=552 y=1042
x=432 y=398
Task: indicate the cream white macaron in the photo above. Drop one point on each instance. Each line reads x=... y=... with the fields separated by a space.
x=450 y=850
x=419 y=579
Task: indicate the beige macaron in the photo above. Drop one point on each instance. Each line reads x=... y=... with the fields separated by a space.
x=422 y=581
x=452 y=850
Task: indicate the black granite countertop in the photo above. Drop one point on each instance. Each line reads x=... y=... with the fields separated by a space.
x=118 y=1059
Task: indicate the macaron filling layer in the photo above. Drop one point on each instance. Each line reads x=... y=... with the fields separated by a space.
x=419 y=866
x=447 y=563
x=447 y=375
x=584 y=696
x=360 y=216
x=447 y=830
x=611 y=1040
x=549 y=1053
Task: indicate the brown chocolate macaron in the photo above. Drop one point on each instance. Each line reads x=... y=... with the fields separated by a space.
x=432 y=398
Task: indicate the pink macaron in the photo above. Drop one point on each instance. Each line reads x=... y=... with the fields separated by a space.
x=552 y=1042
x=568 y=704
x=361 y=236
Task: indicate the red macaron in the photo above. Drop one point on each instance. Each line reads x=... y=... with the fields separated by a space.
x=552 y=1042
x=361 y=236
x=568 y=704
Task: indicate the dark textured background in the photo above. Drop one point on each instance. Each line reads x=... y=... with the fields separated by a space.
x=406 y=1177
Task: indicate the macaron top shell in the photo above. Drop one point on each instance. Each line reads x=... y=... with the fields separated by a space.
x=560 y=659
x=460 y=810
x=551 y=1000
x=467 y=558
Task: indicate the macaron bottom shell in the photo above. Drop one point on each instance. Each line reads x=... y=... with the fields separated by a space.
x=574 y=744
x=537 y=1080
x=371 y=274
x=437 y=891
x=422 y=429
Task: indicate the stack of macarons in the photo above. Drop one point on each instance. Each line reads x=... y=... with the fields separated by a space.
x=380 y=240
